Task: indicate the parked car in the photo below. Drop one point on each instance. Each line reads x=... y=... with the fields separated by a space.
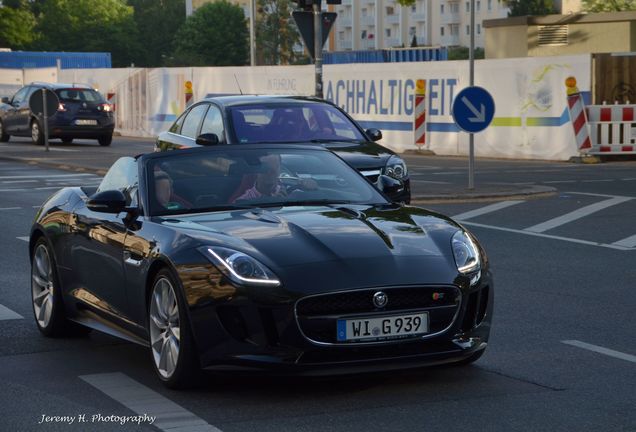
x=82 y=113
x=286 y=119
x=214 y=260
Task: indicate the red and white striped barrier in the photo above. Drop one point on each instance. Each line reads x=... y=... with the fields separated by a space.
x=579 y=122
x=420 y=113
x=111 y=98
x=612 y=128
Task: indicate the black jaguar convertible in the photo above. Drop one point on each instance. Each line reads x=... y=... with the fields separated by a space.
x=275 y=257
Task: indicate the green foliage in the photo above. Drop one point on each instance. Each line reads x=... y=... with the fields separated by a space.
x=17 y=28
x=530 y=7
x=406 y=2
x=89 y=25
x=157 y=22
x=276 y=33
x=215 y=35
x=609 y=5
x=462 y=53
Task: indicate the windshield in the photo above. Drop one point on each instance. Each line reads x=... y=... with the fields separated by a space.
x=248 y=178
x=78 y=95
x=292 y=123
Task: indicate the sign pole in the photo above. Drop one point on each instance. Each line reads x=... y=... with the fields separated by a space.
x=318 y=47
x=252 y=32
x=45 y=122
x=471 y=62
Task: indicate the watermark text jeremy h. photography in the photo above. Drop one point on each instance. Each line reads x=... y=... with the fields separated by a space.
x=97 y=418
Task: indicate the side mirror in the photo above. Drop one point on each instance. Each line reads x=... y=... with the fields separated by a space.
x=389 y=185
x=374 y=134
x=207 y=139
x=5 y=100
x=110 y=201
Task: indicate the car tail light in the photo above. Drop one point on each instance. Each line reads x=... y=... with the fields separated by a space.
x=61 y=107
x=105 y=107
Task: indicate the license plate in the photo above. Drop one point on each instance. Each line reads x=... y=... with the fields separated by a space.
x=387 y=327
x=81 y=122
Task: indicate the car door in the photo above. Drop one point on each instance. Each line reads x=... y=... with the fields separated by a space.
x=184 y=131
x=11 y=120
x=98 y=248
x=23 y=115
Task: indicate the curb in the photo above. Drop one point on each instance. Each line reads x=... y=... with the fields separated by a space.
x=56 y=165
x=476 y=195
x=585 y=159
x=419 y=152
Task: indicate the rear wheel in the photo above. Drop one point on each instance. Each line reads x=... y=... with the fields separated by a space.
x=46 y=295
x=67 y=140
x=105 y=140
x=37 y=135
x=173 y=353
x=4 y=137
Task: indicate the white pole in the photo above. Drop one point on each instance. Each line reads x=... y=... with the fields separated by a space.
x=252 y=32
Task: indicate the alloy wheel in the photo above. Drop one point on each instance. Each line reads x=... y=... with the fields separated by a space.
x=42 y=286
x=165 y=334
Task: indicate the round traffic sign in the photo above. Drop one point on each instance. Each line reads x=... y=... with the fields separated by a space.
x=36 y=102
x=473 y=109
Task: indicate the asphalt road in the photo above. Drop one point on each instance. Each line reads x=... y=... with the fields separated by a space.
x=562 y=355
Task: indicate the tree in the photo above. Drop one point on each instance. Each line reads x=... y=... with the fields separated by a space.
x=157 y=22
x=215 y=35
x=276 y=32
x=462 y=53
x=530 y=7
x=609 y=5
x=406 y=2
x=18 y=26
x=89 y=25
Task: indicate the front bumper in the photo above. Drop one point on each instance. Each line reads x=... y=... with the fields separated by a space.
x=243 y=334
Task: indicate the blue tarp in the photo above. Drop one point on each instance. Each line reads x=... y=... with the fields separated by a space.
x=68 y=60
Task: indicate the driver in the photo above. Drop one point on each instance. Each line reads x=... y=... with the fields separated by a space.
x=165 y=193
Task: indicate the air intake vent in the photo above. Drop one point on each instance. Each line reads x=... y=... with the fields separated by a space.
x=553 y=35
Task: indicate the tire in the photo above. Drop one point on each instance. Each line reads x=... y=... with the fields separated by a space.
x=67 y=140
x=37 y=134
x=163 y=319
x=4 y=137
x=46 y=295
x=105 y=140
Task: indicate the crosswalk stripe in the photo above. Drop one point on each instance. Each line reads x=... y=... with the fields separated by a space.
x=142 y=400
x=576 y=214
x=629 y=242
x=25 y=238
x=487 y=209
x=8 y=314
x=601 y=350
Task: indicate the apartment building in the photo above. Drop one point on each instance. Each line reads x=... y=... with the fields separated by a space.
x=379 y=24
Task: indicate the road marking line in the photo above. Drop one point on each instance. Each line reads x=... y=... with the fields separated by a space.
x=601 y=350
x=628 y=179
x=429 y=181
x=17 y=181
x=62 y=150
x=48 y=188
x=487 y=209
x=548 y=236
x=142 y=400
x=45 y=176
x=8 y=314
x=10 y=208
x=449 y=173
x=25 y=238
x=15 y=190
x=597 y=181
x=576 y=214
x=597 y=194
x=559 y=181
x=629 y=242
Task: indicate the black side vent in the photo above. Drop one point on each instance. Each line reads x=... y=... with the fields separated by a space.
x=553 y=35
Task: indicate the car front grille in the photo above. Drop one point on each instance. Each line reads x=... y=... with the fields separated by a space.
x=318 y=315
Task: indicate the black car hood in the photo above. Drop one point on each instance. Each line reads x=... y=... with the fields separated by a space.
x=361 y=155
x=361 y=245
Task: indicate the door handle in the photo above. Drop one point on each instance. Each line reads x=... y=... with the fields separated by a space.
x=131 y=258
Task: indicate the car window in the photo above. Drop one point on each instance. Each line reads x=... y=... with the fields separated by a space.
x=20 y=96
x=176 y=127
x=294 y=122
x=79 y=95
x=204 y=181
x=123 y=176
x=193 y=120
x=213 y=123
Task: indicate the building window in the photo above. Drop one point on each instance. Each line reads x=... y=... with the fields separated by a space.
x=441 y=31
x=467 y=29
x=478 y=6
x=442 y=9
x=454 y=8
x=413 y=8
x=467 y=6
x=387 y=32
x=478 y=28
x=489 y=5
x=390 y=10
x=411 y=31
x=364 y=34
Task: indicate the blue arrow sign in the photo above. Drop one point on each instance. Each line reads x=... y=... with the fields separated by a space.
x=473 y=109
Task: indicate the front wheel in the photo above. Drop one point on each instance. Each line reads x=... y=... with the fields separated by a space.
x=171 y=343
x=4 y=137
x=105 y=140
x=37 y=135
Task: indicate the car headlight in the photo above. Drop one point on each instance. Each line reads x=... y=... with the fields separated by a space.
x=466 y=253
x=396 y=168
x=239 y=267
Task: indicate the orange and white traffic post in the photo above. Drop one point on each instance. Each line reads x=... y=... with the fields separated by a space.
x=420 y=113
x=578 y=116
x=188 y=94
